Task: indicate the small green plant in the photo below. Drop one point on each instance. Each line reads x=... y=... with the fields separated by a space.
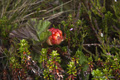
x=19 y=68
x=22 y=54
x=53 y=68
x=72 y=71
x=43 y=57
x=24 y=51
x=98 y=75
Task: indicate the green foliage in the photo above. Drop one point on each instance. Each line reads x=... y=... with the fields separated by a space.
x=41 y=28
x=23 y=50
x=82 y=58
x=72 y=69
x=82 y=62
x=43 y=56
x=23 y=46
x=34 y=30
x=98 y=8
x=74 y=31
x=5 y=28
x=22 y=54
x=14 y=63
x=98 y=75
x=52 y=65
x=91 y=46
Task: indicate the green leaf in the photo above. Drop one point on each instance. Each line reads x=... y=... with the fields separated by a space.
x=41 y=28
x=44 y=35
x=35 y=30
x=82 y=58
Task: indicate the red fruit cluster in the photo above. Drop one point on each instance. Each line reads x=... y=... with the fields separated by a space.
x=56 y=37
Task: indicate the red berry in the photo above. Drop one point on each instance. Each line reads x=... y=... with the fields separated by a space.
x=56 y=37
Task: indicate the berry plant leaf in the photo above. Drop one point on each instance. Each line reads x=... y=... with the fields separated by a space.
x=35 y=30
x=41 y=28
x=44 y=35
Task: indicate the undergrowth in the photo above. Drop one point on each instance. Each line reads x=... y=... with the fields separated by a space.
x=91 y=46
